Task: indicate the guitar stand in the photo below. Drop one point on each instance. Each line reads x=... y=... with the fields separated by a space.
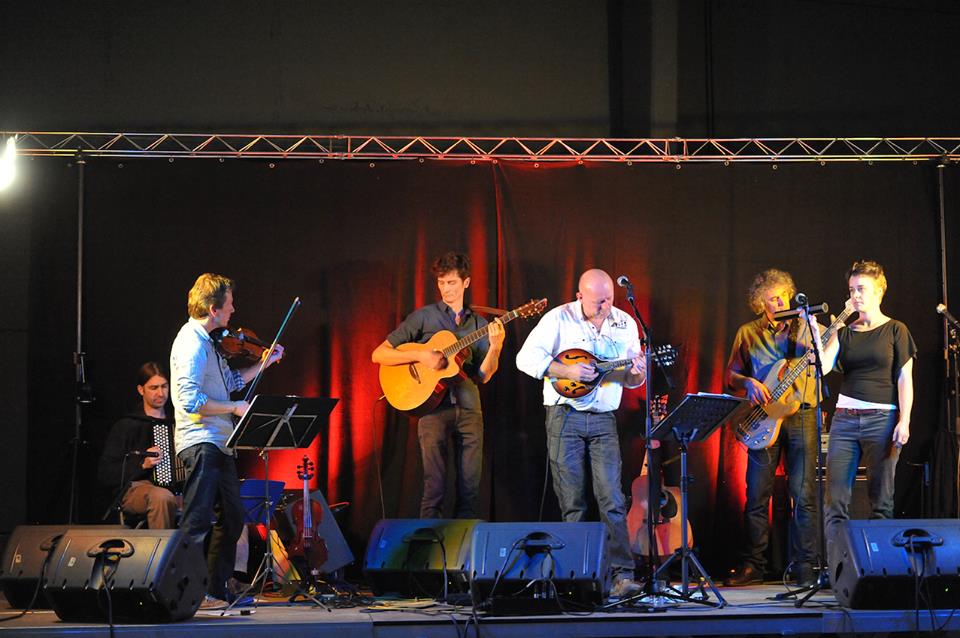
x=307 y=583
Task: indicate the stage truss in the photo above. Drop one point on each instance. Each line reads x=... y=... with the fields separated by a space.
x=485 y=149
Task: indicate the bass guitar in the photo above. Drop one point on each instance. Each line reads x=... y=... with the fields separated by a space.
x=664 y=356
x=418 y=389
x=757 y=426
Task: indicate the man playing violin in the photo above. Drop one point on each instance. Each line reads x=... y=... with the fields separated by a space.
x=582 y=432
x=202 y=383
x=459 y=414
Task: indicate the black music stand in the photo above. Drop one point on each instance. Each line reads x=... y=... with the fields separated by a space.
x=697 y=416
x=276 y=423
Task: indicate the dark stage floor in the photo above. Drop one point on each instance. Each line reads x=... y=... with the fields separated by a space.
x=750 y=611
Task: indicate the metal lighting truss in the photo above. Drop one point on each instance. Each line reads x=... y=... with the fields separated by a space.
x=438 y=147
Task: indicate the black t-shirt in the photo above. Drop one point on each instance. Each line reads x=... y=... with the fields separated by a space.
x=871 y=361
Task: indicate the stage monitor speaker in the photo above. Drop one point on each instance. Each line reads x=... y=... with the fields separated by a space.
x=25 y=563
x=525 y=568
x=412 y=556
x=150 y=575
x=877 y=563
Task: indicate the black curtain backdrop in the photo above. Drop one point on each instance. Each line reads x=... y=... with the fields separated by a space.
x=355 y=240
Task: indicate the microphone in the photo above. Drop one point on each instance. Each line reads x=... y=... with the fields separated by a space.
x=623 y=282
x=801 y=299
x=783 y=315
x=942 y=309
x=152 y=455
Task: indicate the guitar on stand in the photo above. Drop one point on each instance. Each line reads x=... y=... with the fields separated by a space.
x=667 y=530
x=418 y=389
x=308 y=550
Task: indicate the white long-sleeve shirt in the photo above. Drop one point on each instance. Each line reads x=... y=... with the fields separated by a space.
x=565 y=327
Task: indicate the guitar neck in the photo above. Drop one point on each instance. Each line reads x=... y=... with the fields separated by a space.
x=477 y=335
x=794 y=373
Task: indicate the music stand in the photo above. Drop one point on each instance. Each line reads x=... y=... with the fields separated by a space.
x=276 y=423
x=697 y=416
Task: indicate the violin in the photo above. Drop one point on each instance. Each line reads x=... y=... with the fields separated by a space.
x=241 y=347
x=307 y=516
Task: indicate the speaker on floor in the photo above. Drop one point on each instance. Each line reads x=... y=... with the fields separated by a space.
x=414 y=557
x=137 y=575
x=527 y=568
x=26 y=566
x=879 y=563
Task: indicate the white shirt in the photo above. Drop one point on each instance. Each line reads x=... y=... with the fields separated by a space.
x=565 y=327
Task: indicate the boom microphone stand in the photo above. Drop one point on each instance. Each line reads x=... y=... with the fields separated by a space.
x=823 y=580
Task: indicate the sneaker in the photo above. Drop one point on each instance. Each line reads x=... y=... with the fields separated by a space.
x=211 y=604
x=624 y=588
x=744 y=575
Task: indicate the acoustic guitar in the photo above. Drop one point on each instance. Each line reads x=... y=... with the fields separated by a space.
x=667 y=531
x=757 y=426
x=664 y=355
x=418 y=389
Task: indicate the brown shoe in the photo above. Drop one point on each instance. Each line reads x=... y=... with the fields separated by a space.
x=211 y=604
x=744 y=575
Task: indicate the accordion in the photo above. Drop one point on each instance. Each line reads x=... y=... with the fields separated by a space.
x=169 y=472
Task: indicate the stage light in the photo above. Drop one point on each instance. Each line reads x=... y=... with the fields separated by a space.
x=8 y=168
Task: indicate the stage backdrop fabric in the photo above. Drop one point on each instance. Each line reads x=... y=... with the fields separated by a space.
x=355 y=240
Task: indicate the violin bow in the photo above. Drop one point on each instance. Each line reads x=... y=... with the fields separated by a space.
x=273 y=346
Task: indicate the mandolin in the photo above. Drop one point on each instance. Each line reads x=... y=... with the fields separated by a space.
x=664 y=356
x=757 y=426
x=418 y=389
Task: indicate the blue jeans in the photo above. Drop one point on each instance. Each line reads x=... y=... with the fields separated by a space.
x=862 y=437
x=797 y=443
x=576 y=441
x=212 y=483
x=433 y=430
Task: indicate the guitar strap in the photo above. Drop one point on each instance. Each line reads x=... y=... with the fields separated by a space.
x=792 y=336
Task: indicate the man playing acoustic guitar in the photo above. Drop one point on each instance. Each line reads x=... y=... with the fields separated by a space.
x=757 y=348
x=582 y=431
x=458 y=414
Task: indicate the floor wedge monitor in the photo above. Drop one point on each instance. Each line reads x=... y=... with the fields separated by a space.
x=879 y=563
x=135 y=575
x=527 y=568
x=419 y=557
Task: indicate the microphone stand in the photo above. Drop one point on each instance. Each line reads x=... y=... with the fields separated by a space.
x=650 y=588
x=822 y=581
